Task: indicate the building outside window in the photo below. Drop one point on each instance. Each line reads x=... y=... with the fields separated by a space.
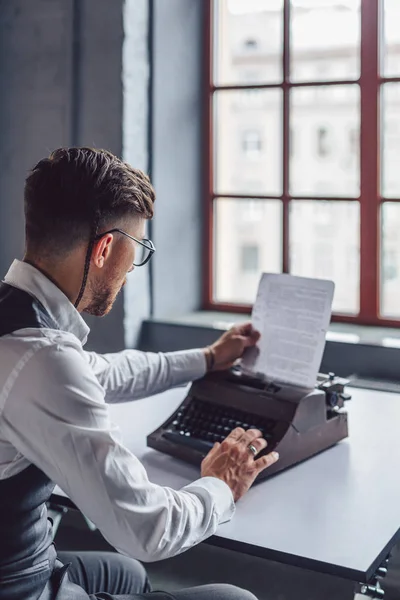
x=302 y=85
x=252 y=143
x=249 y=259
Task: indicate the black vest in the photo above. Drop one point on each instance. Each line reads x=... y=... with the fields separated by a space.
x=29 y=569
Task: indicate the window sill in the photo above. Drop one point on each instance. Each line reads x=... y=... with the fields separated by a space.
x=366 y=354
x=338 y=332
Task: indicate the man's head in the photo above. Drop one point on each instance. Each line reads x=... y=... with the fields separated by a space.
x=71 y=199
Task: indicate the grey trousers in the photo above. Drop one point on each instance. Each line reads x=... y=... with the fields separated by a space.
x=110 y=576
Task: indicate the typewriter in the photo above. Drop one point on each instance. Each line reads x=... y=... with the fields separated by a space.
x=295 y=422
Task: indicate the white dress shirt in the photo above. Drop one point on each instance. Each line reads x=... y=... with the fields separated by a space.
x=54 y=414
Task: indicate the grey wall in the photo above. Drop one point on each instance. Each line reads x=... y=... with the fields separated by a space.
x=177 y=111
x=62 y=83
x=35 y=101
x=76 y=72
x=97 y=113
x=136 y=82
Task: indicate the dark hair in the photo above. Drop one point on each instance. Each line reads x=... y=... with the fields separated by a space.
x=78 y=192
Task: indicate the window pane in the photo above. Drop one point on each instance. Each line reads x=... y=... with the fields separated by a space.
x=325 y=243
x=250 y=258
x=391 y=140
x=248 y=41
x=391 y=38
x=325 y=121
x=325 y=40
x=248 y=142
x=390 y=260
x=247 y=242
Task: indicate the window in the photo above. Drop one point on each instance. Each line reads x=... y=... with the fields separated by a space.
x=389 y=270
x=250 y=44
x=250 y=76
x=323 y=260
x=249 y=259
x=251 y=143
x=252 y=211
x=314 y=81
x=323 y=142
x=354 y=141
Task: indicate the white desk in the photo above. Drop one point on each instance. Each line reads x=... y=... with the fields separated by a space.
x=337 y=513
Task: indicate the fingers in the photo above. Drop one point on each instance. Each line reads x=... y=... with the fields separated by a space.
x=213 y=450
x=236 y=434
x=249 y=436
x=259 y=444
x=247 y=330
x=251 y=338
x=244 y=328
x=244 y=437
x=255 y=336
x=266 y=461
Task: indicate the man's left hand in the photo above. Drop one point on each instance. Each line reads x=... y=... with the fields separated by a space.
x=230 y=346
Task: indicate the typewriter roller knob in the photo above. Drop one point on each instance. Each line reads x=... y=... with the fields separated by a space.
x=333 y=399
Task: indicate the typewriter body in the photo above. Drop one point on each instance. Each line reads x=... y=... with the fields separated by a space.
x=296 y=423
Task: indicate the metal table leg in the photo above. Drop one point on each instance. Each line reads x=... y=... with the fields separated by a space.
x=373 y=589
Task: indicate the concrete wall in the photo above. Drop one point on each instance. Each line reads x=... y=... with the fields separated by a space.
x=177 y=139
x=61 y=81
x=35 y=101
x=77 y=72
x=136 y=83
x=98 y=112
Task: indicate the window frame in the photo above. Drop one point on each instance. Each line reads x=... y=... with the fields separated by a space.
x=370 y=200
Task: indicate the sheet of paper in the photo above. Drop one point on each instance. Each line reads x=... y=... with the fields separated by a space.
x=292 y=315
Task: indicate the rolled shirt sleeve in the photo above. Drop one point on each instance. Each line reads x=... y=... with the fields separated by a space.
x=132 y=374
x=55 y=414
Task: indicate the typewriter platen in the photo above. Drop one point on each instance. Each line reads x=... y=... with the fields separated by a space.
x=295 y=423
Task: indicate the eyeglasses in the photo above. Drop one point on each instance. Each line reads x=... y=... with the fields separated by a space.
x=146 y=247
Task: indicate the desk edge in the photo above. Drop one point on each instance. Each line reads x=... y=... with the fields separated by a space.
x=310 y=564
x=277 y=556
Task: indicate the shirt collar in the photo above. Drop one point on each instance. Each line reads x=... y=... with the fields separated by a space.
x=29 y=279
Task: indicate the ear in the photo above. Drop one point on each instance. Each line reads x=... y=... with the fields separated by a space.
x=101 y=250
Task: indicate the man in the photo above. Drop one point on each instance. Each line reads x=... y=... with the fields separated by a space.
x=85 y=219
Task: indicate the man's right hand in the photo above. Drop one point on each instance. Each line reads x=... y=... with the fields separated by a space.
x=233 y=461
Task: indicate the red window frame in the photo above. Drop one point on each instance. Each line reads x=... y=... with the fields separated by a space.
x=370 y=200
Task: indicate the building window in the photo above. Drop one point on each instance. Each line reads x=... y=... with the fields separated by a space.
x=249 y=257
x=252 y=211
x=354 y=142
x=323 y=142
x=251 y=142
x=250 y=76
x=390 y=266
x=251 y=44
x=315 y=92
x=323 y=260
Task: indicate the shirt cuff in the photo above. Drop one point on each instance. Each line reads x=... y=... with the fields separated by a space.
x=187 y=365
x=221 y=494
